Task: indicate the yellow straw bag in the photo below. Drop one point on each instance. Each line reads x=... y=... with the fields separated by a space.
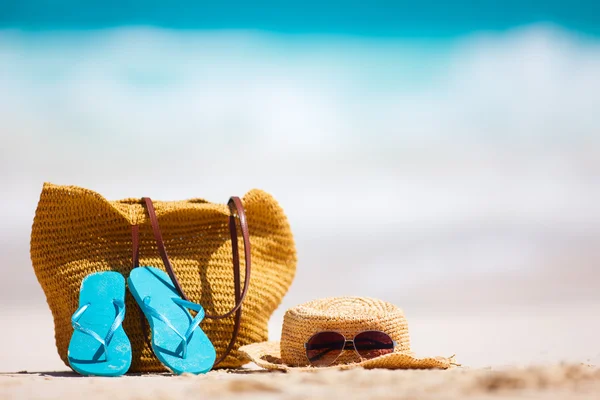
x=77 y=232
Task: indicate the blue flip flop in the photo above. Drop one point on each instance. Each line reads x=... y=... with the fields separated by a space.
x=99 y=345
x=177 y=340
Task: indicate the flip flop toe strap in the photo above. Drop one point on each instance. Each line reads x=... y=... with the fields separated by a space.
x=120 y=305
x=185 y=338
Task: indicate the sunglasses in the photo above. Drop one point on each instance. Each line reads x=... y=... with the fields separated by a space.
x=324 y=348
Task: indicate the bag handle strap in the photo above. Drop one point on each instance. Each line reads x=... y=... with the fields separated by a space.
x=236 y=209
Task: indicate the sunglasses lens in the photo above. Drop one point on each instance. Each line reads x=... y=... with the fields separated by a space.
x=324 y=348
x=371 y=344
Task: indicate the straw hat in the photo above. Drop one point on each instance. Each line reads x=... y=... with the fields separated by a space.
x=348 y=316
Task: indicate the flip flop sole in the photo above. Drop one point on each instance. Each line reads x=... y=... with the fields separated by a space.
x=86 y=355
x=155 y=284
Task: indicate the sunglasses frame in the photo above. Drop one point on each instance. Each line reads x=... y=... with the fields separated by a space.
x=346 y=343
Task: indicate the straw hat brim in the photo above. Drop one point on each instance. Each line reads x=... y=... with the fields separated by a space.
x=267 y=355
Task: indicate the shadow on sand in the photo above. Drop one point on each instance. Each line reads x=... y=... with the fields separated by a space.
x=72 y=374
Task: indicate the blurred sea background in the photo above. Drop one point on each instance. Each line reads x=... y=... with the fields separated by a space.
x=444 y=156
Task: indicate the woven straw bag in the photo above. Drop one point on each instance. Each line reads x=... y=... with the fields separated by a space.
x=77 y=232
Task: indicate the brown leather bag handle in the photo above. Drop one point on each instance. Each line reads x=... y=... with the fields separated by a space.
x=236 y=208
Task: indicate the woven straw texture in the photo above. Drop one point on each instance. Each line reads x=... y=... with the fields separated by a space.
x=77 y=232
x=349 y=316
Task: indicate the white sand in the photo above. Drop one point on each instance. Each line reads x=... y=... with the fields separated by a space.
x=550 y=382
x=501 y=337
x=495 y=350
